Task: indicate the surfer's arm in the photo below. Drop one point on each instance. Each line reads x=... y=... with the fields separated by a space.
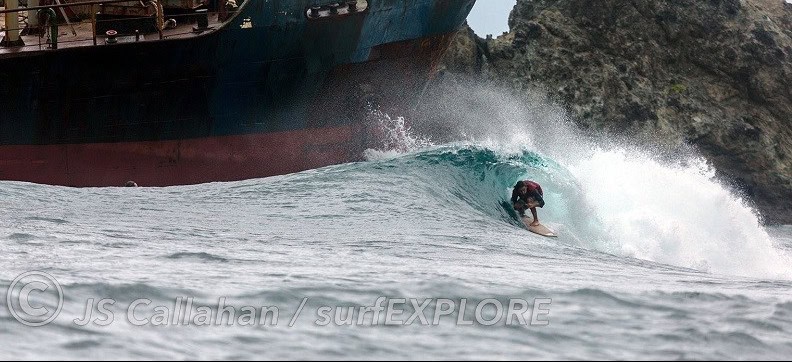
x=517 y=204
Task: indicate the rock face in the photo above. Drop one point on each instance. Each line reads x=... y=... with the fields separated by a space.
x=714 y=74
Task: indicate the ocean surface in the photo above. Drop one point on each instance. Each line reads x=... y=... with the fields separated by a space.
x=655 y=259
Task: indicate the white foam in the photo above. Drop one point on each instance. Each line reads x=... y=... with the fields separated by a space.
x=678 y=215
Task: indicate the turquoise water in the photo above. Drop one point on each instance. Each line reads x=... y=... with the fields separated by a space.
x=635 y=274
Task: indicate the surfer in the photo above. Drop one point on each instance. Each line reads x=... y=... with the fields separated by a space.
x=528 y=195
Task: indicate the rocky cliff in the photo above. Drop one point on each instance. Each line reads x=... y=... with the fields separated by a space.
x=714 y=74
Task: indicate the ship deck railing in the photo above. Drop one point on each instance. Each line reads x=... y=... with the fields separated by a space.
x=83 y=32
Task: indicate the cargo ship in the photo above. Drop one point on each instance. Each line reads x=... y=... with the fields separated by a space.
x=175 y=92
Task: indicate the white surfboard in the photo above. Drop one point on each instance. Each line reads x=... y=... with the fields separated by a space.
x=538 y=229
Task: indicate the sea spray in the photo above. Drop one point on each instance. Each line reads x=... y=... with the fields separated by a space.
x=606 y=194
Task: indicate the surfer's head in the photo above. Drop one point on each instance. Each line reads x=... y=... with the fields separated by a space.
x=520 y=187
x=131 y=184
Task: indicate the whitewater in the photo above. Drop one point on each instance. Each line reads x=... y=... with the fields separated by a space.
x=656 y=258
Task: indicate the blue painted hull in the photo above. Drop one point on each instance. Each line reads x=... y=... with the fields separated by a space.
x=232 y=81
